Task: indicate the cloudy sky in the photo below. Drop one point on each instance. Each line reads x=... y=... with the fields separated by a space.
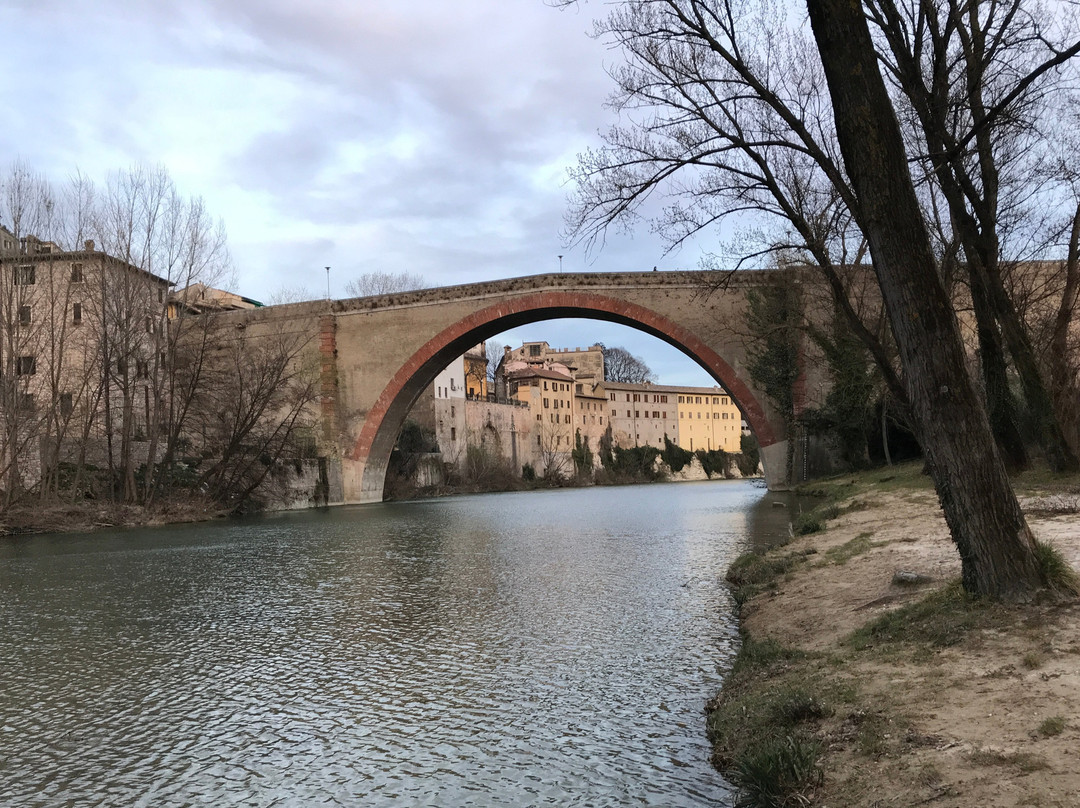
x=424 y=136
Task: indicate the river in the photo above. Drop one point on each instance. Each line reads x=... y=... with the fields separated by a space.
x=539 y=648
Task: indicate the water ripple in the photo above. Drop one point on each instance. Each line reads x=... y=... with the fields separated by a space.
x=532 y=649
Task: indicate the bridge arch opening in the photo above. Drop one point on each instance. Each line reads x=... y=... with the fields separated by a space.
x=372 y=448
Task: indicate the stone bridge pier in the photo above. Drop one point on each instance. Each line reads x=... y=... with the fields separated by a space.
x=376 y=355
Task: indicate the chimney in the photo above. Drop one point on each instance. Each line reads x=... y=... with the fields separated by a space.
x=89 y=245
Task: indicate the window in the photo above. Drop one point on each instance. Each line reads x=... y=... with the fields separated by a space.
x=453 y=433
x=627 y=396
x=76 y=313
x=76 y=273
x=637 y=397
x=453 y=384
x=546 y=403
x=160 y=296
x=121 y=366
x=612 y=396
x=142 y=369
x=26 y=365
x=149 y=325
x=697 y=400
x=628 y=413
x=699 y=416
x=601 y=420
x=568 y=419
x=453 y=410
x=637 y=414
x=537 y=440
x=66 y=405
x=716 y=401
x=534 y=350
x=716 y=415
x=682 y=414
x=580 y=389
x=25 y=276
x=24 y=315
x=25 y=402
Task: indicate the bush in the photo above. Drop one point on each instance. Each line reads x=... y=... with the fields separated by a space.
x=528 y=473
x=675 y=456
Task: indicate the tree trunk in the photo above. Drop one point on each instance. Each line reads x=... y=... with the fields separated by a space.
x=996 y=547
x=1062 y=388
x=1000 y=404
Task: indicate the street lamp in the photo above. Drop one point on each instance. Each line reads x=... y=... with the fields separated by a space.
x=560 y=263
x=328 y=283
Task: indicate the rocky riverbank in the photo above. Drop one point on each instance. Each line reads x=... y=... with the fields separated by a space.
x=867 y=677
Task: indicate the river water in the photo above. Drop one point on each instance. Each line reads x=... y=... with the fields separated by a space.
x=541 y=648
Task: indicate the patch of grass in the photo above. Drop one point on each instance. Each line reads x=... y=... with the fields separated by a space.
x=1052 y=726
x=1033 y=660
x=757 y=655
x=1024 y=761
x=941 y=619
x=807 y=523
x=1058 y=575
x=775 y=773
x=847 y=551
x=752 y=573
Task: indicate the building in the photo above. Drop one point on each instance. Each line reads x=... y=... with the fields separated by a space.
x=642 y=414
x=708 y=419
x=549 y=393
x=585 y=365
x=82 y=334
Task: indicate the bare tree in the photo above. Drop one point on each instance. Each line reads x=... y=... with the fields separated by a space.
x=291 y=294
x=257 y=399
x=384 y=283
x=622 y=366
x=734 y=113
x=495 y=353
x=976 y=78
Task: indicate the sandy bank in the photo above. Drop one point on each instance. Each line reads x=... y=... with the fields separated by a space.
x=949 y=702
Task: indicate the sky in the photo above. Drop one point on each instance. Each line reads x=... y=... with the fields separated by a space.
x=419 y=136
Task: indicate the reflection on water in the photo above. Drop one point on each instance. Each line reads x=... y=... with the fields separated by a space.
x=550 y=648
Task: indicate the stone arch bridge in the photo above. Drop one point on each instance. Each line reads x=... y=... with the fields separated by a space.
x=377 y=354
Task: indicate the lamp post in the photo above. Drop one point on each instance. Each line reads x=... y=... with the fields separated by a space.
x=328 y=283
x=560 y=263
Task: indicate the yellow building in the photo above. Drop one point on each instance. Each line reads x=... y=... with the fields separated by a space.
x=708 y=419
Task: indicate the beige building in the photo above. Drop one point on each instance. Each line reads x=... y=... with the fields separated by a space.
x=586 y=365
x=549 y=394
x=642 y=414
x=708 y=419
x=590 y=416
x=81 y=336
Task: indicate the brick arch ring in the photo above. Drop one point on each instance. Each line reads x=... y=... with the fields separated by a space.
x=384 y=419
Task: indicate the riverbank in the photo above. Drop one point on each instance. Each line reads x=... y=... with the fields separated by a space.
x=867 y=678
x=89 y=515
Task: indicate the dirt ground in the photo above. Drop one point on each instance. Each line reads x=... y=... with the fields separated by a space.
x=993 y=720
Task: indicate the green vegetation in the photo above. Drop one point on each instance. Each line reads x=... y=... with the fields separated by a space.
x=716 y=461
x=1052 y=726
x=675 y=456
x=1057 y=574
x=941 y=619
x=763 y=736
x=752 y=573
